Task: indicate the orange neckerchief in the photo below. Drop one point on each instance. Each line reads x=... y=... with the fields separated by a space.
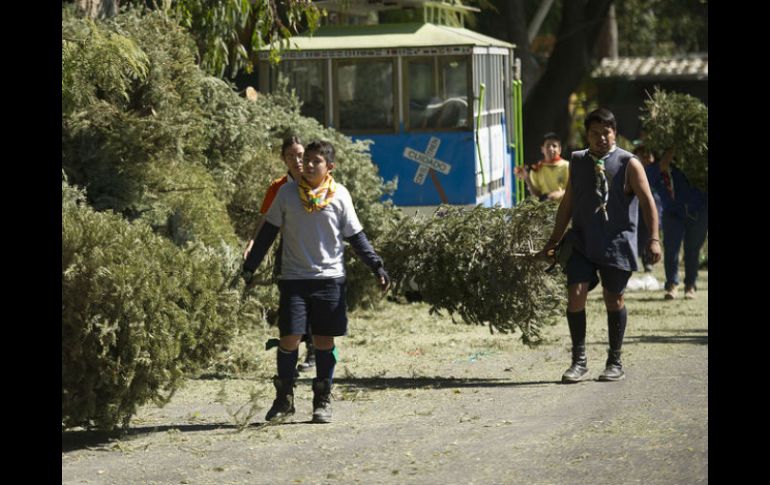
x=668 y=181
x=535 y=167
x=316 y=199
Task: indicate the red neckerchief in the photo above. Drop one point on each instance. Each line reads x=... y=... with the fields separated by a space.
x=668 y=182
x=535 y=167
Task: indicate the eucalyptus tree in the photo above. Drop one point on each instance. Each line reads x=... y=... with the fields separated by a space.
x=227 y=32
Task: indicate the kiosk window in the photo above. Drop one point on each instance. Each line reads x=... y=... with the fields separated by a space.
x=365 y=95
x=438 y=93
x=307 y=79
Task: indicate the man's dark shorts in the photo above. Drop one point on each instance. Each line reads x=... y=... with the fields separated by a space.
x=580 y=270
x=319 y=304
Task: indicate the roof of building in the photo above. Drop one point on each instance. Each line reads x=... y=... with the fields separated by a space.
x=390 y=36
x=681 y=68
x=365 y=7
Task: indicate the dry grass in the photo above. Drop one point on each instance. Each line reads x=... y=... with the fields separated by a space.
x=402 y=342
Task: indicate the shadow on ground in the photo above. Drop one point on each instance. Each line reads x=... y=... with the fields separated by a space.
x=76 y=440
x=666 y=339
x=80 y=439
x=673 y=339
x=430 y=382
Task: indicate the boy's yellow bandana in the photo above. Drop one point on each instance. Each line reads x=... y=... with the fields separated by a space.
x=317 y=199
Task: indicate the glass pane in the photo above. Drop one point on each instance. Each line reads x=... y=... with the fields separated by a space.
x=443 y=104
x=421 y=92
x=307 y=79
x=454 y=111
x=365 y=94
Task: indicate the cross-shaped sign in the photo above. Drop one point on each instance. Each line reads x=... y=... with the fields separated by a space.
x=427 y=160
x=427 y=164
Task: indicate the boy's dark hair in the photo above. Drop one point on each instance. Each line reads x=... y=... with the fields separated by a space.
x=289 y=141
x=641 y=149
x=323 y=148
x=551 y=136
x=603 y=116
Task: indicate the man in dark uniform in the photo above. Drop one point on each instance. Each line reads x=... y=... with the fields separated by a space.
x=607 y=186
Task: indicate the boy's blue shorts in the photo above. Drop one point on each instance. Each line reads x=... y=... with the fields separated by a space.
x=581 y=270
x=318 y=304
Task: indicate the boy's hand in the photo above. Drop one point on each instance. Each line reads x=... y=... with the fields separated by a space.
x=521 y=173
x=248 y=277
x=383 y=279
x=548 y=252
x=653 y=250
x=248 y=249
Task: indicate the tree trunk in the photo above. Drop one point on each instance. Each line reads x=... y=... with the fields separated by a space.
x=97 y=9
x=516 y=20
x=608 y=43
x=509 y=23
x=546 y=109
x=542 y=12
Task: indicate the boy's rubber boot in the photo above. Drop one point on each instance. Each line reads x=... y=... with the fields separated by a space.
x=283 y=405
x=578 y=371
x=322 y=400
x=614 y=369
x=309 y=358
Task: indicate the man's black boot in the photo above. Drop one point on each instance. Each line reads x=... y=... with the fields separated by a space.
x=283 y=406
x=322 y=400
x=578 y=371
x=614 y=369
x=309 y=358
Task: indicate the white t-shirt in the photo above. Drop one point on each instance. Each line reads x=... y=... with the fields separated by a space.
x=313 y=241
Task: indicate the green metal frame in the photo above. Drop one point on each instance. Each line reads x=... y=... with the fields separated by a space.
x=518 y=127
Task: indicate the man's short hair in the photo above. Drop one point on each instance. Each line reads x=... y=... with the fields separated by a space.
x=603 y=116
x=551 y=136
x=323 y=148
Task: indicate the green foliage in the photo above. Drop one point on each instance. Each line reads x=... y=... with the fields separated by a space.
x=187 y=154
x=662 y=27
x=582 y=102
x=176 y=164
x=145 y=158
x=475 y=262
x=137 y=313
x=97 y=63
x=679 y=121
x=228 y=33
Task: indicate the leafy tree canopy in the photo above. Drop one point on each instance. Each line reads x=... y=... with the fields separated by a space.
x=662 y=27
x=227 y=33
x=680 y=122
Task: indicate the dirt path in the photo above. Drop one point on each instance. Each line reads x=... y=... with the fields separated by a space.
x=457 y=406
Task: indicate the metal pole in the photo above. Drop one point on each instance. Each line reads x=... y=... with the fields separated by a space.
x=515 y=138
x=482 y=87
x=518 y=141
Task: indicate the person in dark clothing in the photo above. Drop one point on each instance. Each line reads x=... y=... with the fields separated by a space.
x=606 y=186
x=685 y=221
x=652 y=170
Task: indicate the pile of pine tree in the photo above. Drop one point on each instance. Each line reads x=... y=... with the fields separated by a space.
x=164 y=170
x=679 y=121
x=477 y=263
